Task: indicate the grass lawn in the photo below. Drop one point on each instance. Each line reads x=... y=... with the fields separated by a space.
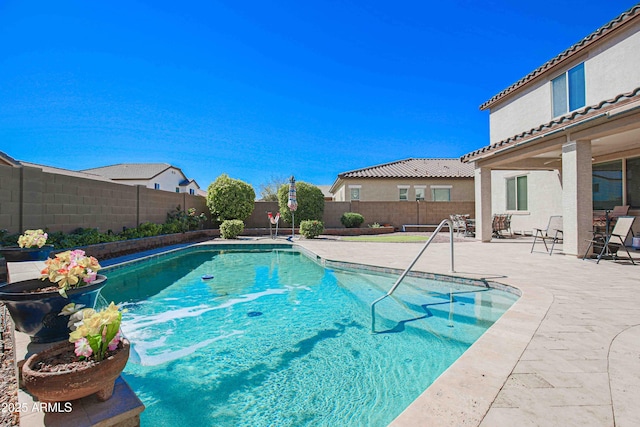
x=388 y=238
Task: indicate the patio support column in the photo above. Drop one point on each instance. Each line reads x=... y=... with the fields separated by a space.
x=482 y=183
x=577 y=197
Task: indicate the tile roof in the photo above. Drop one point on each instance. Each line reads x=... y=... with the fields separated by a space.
x=611 y=26
x=573 y=118
x=414 y=168
x=130 y=170
x=68 y=172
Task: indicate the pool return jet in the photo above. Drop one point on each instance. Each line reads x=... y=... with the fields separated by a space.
x=406 y=271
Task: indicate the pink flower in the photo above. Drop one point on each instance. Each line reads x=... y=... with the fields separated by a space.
x=83 y=348
x=90 y=277
x=114 y=342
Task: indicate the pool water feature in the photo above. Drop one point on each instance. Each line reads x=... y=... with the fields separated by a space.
x=276 y=339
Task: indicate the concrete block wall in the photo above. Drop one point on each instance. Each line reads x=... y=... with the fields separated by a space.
x=392 y=213
x=10 y=197
x=31 y=198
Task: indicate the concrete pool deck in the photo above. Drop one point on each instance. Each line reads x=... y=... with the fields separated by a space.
x=567 y=353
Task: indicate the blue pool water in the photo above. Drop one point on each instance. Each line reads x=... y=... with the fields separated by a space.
x=275 y=339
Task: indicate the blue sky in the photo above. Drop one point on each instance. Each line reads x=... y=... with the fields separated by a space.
x=263 y=90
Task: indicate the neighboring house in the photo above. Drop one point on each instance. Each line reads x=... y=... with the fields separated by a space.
x=407 y=180
x=565 y=139
x=160 y=176
x=326 y=192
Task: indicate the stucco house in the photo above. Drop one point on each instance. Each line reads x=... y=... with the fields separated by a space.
x=160 y=176
x=407 y=180
x=565 y=139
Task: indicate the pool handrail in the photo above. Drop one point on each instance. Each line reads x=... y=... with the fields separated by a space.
x=406 y=271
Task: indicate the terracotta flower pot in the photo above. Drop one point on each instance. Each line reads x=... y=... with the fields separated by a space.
x=74 y=384
x=36 y=314
x=18 y=254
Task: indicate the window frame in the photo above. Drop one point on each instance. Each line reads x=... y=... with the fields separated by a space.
x=403 y=189
x=516 y=207
x=351 y=189
x=573 y=91
x=433 y=189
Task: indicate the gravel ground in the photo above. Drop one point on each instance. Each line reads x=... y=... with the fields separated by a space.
x=8 y=380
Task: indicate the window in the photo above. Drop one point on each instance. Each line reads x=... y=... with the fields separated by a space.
x=156 y=186
x=633 y=182
x=568 y=91
x=177 y=189
x=354 y=192
x=192 y=191
x=607 y=185
x=419 y=193
x=441 y=193
x=403 y=193
x=517 y=193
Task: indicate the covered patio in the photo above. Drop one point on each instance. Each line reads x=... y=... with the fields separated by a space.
x=575 y=145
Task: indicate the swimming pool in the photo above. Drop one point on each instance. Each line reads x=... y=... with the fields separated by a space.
x=274 y=338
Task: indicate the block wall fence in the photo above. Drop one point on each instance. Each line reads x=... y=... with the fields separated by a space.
x=32 y=198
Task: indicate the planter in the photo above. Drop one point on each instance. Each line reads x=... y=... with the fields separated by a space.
x=36 y=314
x=18 y=254
x=75 y=383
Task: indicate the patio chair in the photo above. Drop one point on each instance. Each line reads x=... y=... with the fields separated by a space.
x=553 y=232
x=459 y=224
x=609 y=243
x=604 y=222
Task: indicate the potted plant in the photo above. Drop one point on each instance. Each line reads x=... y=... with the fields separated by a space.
x=34 y=304
x=88 y=363
x=31 y=247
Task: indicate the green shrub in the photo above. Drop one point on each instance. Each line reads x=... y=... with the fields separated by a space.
x=351 y=219
x=231 y=228
x=179 y=221
x=311 y=228
x=310 y=202
x=229 y=198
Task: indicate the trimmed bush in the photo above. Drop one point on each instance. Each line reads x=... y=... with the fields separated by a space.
x=310 y=202
x=229 y=198
x=351 y=219
x=311 y=228
x=231 y=228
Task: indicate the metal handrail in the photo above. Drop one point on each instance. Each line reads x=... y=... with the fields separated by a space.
x=406 y=271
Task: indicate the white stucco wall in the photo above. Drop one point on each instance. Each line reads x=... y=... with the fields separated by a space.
x=544 y=198
x=525 y=111
x=614 y=68
x=610 y=69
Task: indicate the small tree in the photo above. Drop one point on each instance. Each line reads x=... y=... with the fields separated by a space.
x=269 y=189
x=229 y=198
x=310 y=202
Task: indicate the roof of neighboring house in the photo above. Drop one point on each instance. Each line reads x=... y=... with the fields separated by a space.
x=67 y=172
x=7 y=159
x=620 y=21
x=625 y=101
x=131 y=170
x=414 y=168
